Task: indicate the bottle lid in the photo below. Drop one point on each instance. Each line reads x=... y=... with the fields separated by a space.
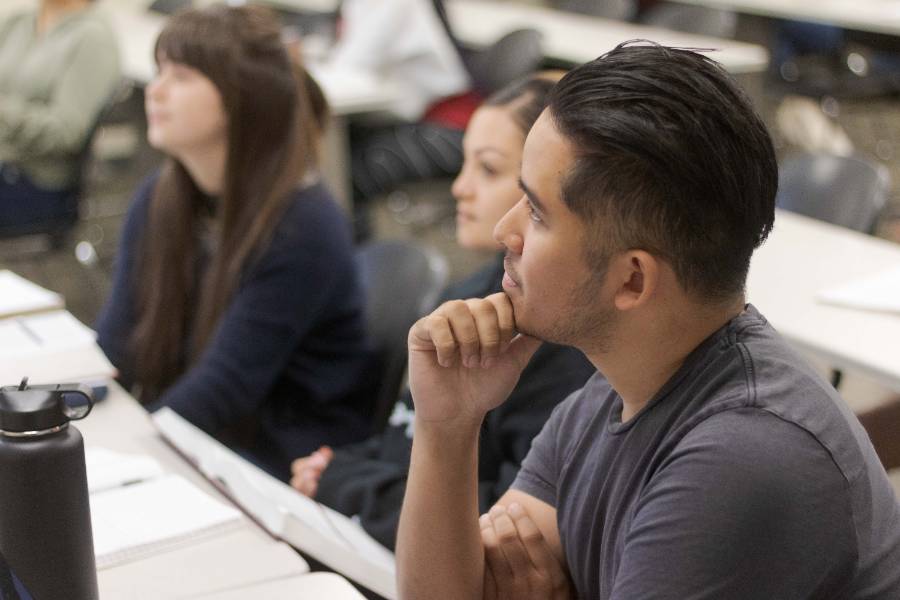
x=25 y=408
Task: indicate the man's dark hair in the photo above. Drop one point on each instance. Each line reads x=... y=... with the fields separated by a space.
x=671 y=158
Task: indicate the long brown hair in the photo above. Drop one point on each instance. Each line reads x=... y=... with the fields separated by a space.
x=272 y=138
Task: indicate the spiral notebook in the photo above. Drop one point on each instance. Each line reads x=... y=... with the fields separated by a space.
x=154 y=516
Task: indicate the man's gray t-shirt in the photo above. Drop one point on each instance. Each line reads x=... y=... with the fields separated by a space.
x=744 y=477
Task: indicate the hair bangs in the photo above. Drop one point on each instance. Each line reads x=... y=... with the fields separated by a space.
x=191 y=40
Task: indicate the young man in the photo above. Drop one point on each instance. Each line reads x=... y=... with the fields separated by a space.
x=707 y=461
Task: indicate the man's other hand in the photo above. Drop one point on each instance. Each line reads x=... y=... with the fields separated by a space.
x=519 y=564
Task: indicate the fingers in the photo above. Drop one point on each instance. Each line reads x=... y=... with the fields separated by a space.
x=474 y=332
x=305 y=483
x=487 y=327
x=518 y=557
x=500 y=581
x=491 y=591
x=465 y=330
x=493 y=555
x=506 y=320
x=508 y=538
x=321 y=458
x=522 y=348
x=536 y=547
x=306 y=472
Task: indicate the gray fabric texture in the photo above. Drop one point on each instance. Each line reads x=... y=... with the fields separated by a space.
x=746 y=476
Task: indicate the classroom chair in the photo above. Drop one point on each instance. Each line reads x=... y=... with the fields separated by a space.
x=512 y=57
x=849 y=191
x=515 y=55
x=402 y=281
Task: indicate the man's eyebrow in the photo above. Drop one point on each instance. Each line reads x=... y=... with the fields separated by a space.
x=532 y=197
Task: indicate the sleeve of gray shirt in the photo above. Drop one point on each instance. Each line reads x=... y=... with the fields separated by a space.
x=540 y=470
x=742 y=508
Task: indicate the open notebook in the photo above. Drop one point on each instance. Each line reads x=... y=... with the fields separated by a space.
x=317 y=530
x=138 y=511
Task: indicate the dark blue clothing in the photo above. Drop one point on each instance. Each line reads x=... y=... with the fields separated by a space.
x=290 y=350
x=28 y=208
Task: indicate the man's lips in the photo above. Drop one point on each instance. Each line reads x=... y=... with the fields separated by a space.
x=510 y=278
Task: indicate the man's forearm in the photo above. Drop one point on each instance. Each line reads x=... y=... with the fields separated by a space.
x=439 y=553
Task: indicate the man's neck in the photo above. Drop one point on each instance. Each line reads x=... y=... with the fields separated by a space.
x=642 y=359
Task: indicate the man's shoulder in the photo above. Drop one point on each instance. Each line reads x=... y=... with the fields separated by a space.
x=763 y=451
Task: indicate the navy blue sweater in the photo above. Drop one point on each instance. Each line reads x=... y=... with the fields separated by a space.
x=289 y=353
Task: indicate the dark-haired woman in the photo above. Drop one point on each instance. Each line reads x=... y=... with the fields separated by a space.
x=236 y=301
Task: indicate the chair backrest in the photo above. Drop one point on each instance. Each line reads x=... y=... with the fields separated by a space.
x=512 y=57
x=168 y=7
x=402 y=280
x=849 y=191
x=624 y=10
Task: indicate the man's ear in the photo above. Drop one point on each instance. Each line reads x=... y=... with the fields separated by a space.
x=637 y=275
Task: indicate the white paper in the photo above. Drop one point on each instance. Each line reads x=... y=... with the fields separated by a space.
x=879 y=292
x=20 y=296
x=107 y=469
x=50 y=347
x=146 y=518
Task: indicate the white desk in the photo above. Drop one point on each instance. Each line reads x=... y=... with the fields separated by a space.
x=575 y=39
x=323 y=586
x=246 y=558
x=878 y=16
x=802 y=257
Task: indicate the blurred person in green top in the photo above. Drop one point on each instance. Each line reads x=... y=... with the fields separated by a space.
x=59 y=66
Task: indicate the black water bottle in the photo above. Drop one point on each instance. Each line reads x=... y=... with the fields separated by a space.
x=45 y=516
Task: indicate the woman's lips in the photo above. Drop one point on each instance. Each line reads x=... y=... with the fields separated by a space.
x=464 y=216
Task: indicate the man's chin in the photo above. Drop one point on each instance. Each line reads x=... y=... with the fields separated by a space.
x=523 y=323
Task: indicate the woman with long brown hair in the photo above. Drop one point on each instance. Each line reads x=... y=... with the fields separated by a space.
x=235 y=300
